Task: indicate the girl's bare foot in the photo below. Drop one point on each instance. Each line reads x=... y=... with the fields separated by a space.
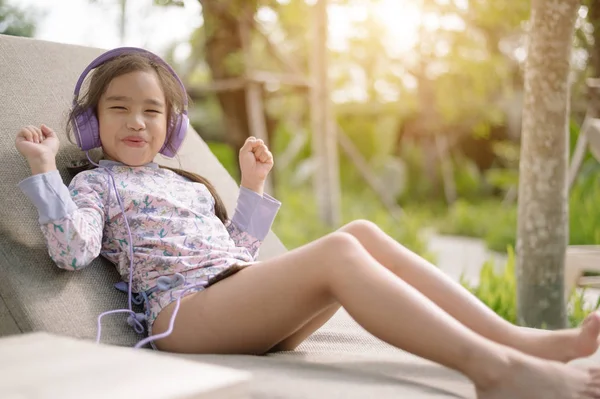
x=527 y=377
x=562 y=345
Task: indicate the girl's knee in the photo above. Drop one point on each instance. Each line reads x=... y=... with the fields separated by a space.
x=359 y=226
x=344 y=248
x=341 y=241
x=342 y=252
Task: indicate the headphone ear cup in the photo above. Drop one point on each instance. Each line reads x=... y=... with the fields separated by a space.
x=87 y=132
x=176 y=134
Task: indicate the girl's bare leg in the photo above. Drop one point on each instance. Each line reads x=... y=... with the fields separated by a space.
x=304 y=331
x=562 y=345
x=260 y=306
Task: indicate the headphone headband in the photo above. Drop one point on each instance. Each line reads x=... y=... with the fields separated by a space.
x=109 y=55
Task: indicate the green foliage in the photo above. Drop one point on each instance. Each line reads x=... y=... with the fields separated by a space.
x=465 y=80
x=497 y=223
x=489 y=220
x=467 y=178
x=373 y=135
x=406 y=231
x=15 y=21
x=578 y=308
x=497 y=289
x=584 y=206
x=502 y=179
x=226 y=156
x=418 y=186
x=423 y=181
x=298 y=222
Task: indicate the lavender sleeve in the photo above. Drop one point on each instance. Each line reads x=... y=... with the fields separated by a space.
x=49 y=195
x=254 y=213
x=252 y=219
x=71 y=219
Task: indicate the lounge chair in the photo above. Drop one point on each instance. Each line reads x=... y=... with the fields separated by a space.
x=340 y=360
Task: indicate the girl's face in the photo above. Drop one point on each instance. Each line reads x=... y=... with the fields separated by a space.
x=132 y=115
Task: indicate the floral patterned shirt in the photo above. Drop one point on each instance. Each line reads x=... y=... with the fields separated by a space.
x=172 y=222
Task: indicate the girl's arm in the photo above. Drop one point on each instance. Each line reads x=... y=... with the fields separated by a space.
x=71 y=219
x=252 y=219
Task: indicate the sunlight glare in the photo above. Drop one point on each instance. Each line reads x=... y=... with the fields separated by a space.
x=401 y=19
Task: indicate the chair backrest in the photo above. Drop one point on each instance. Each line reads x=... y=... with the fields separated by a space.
x=36 y=85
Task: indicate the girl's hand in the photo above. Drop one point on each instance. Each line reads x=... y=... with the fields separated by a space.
x=39 y=146
x=256 y=161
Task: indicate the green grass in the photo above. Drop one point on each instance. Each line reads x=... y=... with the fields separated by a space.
x=498 y=290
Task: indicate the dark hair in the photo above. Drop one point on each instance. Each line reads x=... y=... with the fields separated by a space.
x=175 y=98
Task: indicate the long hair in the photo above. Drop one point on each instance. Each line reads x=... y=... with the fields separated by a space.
x=174 y=98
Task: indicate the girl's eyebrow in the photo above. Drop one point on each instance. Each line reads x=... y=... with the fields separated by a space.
x=151 y=101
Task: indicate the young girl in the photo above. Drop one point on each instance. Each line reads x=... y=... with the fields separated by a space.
x=178 y=242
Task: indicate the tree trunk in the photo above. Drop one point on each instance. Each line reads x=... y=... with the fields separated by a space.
x=542 y=234
x=224 y=56
x=222 y=44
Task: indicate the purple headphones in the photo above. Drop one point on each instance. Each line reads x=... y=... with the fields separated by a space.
x=86 y=123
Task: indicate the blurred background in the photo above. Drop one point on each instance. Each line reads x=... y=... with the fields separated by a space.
x=426 y=98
